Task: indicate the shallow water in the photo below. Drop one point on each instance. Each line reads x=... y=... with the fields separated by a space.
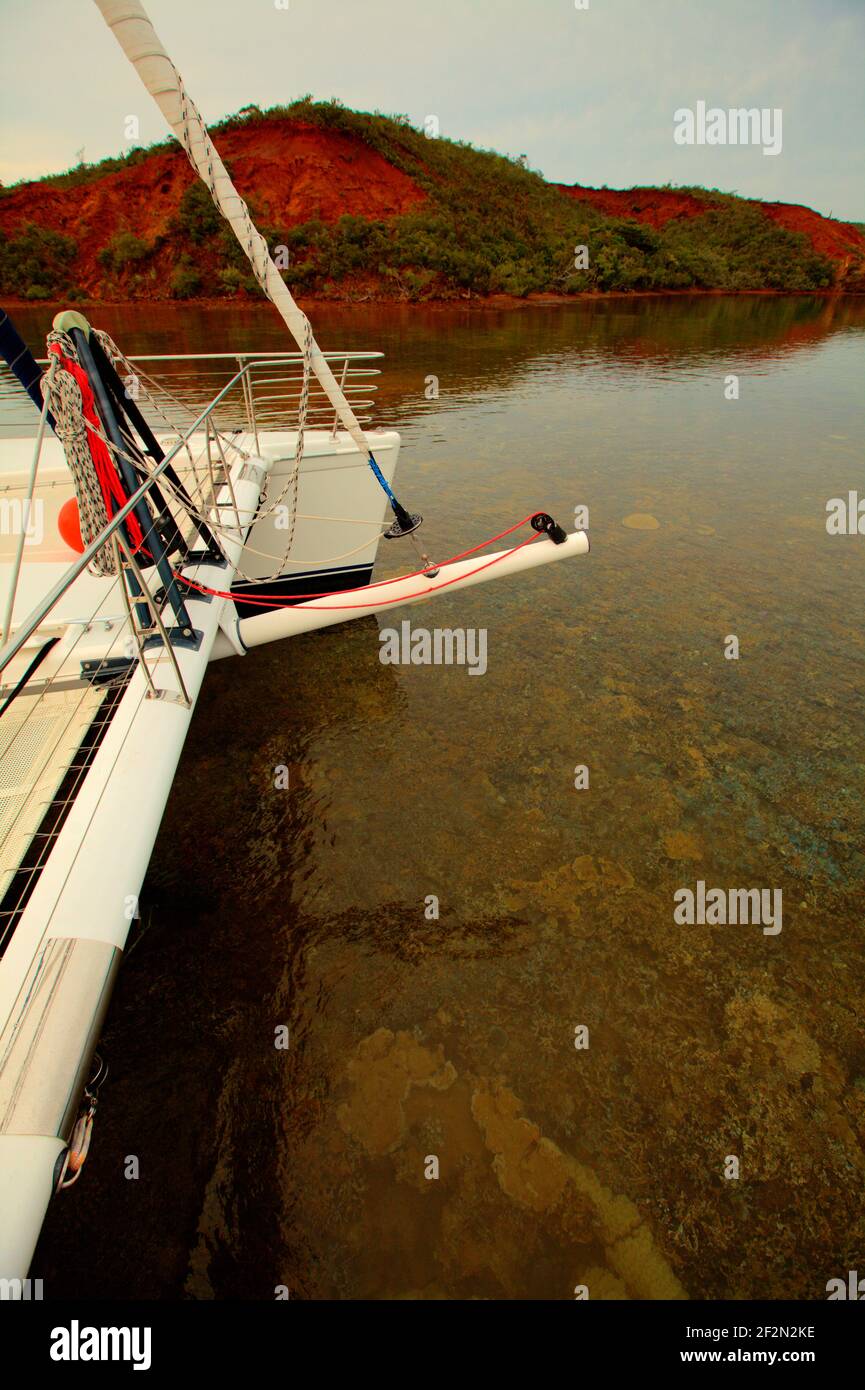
x=601 y=1166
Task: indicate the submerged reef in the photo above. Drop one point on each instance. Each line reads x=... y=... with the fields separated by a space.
x=519 y=1179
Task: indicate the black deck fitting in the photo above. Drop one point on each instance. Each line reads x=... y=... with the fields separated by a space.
x=403 y=524
x=542 y=521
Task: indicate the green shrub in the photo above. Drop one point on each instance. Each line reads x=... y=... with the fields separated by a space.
x=122 y=250
x=197 y=217
x=231 y=278
x=185 y=279
x=36 y=263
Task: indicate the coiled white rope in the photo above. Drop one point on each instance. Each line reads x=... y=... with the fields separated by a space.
x=63 y=394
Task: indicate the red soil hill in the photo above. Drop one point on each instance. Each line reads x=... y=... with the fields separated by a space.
x=839 y=240
x=293 y=172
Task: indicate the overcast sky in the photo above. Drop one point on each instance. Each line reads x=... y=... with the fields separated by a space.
x=587 y=95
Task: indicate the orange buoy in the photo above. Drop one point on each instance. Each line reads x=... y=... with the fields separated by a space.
x=69 y=525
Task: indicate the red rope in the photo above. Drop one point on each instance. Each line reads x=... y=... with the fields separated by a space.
x=276 y=601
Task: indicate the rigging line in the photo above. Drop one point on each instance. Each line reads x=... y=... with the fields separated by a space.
x=343 y=520
x=21 y=886
x=53 y=681
x=199 y=518
x=414 y=574
x=277 y=601
x=378 y=603
x=118 y=637
x=159 y=389
x=85 y=833
x=34 y=666
x=44 y=418
x=143 y=472
x=309 y=564
x=203 y=518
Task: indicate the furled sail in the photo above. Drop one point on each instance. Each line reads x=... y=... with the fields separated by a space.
x=134 y=32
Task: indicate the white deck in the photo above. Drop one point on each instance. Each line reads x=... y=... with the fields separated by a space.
x=336 y=485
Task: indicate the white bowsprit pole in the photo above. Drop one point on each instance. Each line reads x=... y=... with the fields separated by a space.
x=414 y=588
x=133 y=30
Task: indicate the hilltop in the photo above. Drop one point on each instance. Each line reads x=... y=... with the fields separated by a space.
x=367 y=207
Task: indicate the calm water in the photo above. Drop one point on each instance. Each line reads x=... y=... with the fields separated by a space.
x=410 y=1037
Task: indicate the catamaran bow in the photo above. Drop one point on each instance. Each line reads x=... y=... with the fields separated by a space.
x=108 y=666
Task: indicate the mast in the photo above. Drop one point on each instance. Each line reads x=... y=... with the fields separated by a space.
x=133 y=30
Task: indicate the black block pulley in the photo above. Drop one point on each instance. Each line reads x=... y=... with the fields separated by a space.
x=542 y=521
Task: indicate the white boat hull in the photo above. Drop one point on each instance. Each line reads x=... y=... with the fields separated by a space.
x=58 y=967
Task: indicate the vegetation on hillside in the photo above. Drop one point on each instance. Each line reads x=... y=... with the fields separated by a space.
x=38 y=263
x=487 y=225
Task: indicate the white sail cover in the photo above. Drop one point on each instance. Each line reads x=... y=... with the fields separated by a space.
x=134 y=32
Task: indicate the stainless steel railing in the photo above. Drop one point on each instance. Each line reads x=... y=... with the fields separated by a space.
x=262 y=394
x=265 y=397
x=203 y=421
